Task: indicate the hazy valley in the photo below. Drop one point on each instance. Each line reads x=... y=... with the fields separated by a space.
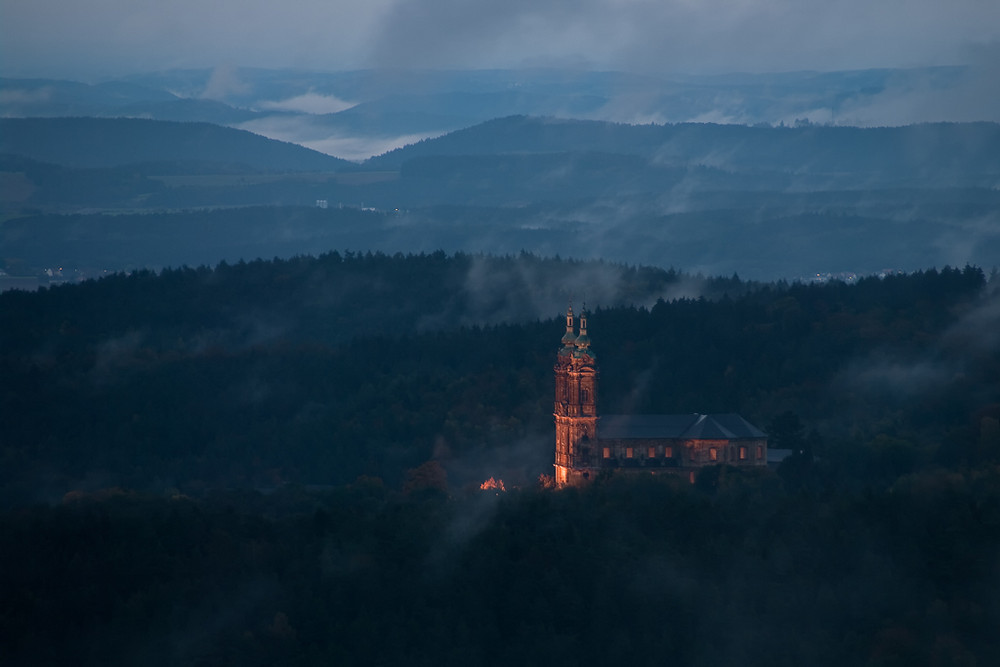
x=762 y=201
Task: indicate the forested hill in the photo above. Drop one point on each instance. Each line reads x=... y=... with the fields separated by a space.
x=111 y=142
x=320 y=370
x=280 y=463
x=949 y=150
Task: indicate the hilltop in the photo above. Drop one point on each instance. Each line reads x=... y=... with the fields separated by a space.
x=940 y=154
x=116 y=142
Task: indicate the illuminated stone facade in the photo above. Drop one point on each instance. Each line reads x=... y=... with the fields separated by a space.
x=588 y=445
x=576 y=404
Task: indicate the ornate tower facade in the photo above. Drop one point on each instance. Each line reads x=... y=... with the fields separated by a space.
x=575 y=405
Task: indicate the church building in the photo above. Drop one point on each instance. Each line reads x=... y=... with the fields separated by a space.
x=588 y=444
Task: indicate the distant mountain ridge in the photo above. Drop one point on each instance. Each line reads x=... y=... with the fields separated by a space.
x=358 y=114
x=55 y=97
x=115 y=142
x=934 y=149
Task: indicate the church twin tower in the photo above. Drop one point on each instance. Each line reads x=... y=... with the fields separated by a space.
x=576 y=403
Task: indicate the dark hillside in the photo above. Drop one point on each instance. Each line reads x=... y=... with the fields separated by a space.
x=365 y=575
x=28 y=182
x=110 y=142
x=280 y=463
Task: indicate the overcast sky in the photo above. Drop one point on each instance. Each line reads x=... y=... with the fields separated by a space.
x=99 y=38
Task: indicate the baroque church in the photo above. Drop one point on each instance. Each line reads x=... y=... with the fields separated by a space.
x=588 y=444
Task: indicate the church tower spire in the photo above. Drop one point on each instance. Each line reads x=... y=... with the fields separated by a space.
x=569 y=338
x=575 y=405
x=583 y=340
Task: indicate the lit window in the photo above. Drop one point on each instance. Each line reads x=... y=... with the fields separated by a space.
x=652 y=452
x=713 y=454
x=743 y=453
x=668 y=452
x=628 y=452
x=760 y=452
x=607 y=452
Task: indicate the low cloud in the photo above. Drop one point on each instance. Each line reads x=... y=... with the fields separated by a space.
x=969 y=241
x=24 y=96
x=498 y=291
x=972 y=95
x=978 y=330
x=225 y=83
x=307 y=131
x=361 y=147
x=311 y=103
x=952 y=357
x=113 y=355
x=900 y=378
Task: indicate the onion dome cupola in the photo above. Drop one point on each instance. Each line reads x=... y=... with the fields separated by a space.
x=583 y=340
x=569 y=338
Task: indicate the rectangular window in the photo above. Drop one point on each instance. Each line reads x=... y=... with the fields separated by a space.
x=668 y=452
x=607 y=452
x=652 y=453
x=760 y=452
x=713 y=454
x=628 y=452
x=743 y=453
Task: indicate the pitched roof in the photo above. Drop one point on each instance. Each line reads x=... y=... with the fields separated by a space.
x=729 y=426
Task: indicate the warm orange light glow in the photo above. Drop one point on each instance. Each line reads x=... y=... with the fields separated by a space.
x=494 y=484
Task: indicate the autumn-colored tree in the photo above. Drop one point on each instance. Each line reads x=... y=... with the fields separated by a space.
x=427 y=476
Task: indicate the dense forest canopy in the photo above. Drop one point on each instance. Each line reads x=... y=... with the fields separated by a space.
x=278 y=462
x=317 y=370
